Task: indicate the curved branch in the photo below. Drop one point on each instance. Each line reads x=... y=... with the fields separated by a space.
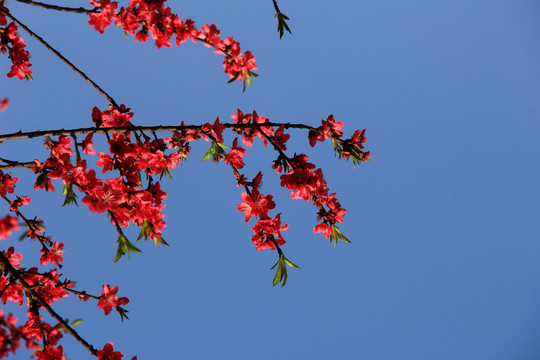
x=79 y=10
x=15 y=164
x=54 y=51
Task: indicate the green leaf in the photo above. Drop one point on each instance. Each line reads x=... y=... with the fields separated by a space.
x=42 y=178
x=70 y=196
x=209 y=153
x=122 y=312
x=145 y=230
x=233 y=79
x=338 y=235
x=124 y=247
x=223 y=146
x=278 y=276
x=166 y=172
x=281 y=272
x=160 y=240
x=76 y=322
x=23 y=235
x=282 y=23
x=131 y=247
x=291 y=264
x=120 y=251
x=284 y=274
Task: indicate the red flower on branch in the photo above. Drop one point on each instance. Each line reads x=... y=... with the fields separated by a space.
x=50 y=353
x=108 y=353
x=55 y=255
x=108 y=299
x=256 y=205
x=236 y=155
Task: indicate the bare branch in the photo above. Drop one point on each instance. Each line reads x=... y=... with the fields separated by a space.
x=54 y=51
x=79 y=10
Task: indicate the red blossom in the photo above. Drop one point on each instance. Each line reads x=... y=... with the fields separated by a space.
x=108 y=299
x=267 y=231
x=236 y=155
x=11 y=291
x=7 y=184
x=300 y=179
x=88 y=145
x=157 y=21
x=13 y=257
x=108 y=353
x=50 y=353
x=103 y=19
x=323 y=228
x=216 y=130
x=18 y=202
x=281 y=138
x=55 y=255
x=329 y=128
x=11 y=42
x=105 y=161
x=256 y=205
x=4 y=104
x=8 y=224
x=108 y=197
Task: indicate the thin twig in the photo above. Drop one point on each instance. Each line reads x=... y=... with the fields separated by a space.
x=54 y=51
x=79 y=10
x=15 y=165
x=276 y=6
x=30 y=226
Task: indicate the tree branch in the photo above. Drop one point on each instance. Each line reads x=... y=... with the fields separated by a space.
x=276 y=6
x=106 y=130
x=79 y=10
x=54 y=51
x=15 y=164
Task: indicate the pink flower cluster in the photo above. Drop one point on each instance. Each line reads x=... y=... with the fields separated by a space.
x=135 y=157
x=122 y=197
x=331 y=128
x=12 y=44
x=150 y=18
x=16 y=283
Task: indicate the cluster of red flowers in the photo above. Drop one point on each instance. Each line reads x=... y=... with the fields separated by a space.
x=301 y=177
x=11 y=335
x=12 y=44
x=133 y=154
x=40 y=288
x=126 y=201
x=135 y=157
x=150 y=18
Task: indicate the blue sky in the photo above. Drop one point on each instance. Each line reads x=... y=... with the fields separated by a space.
x=443 y=219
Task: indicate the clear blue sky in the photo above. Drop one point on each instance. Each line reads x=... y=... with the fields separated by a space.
x=444 y=219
